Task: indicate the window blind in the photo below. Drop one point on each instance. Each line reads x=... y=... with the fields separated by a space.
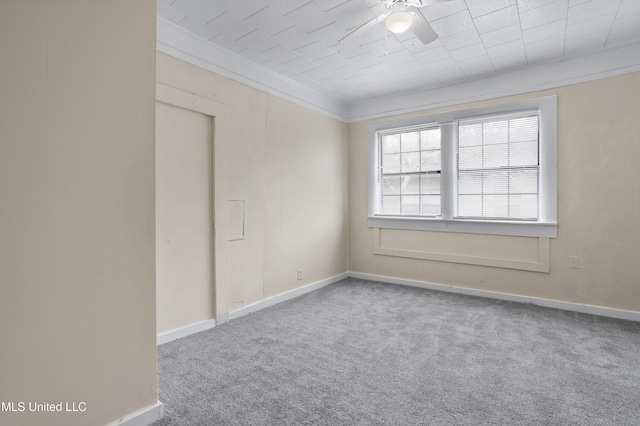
x=498 y=167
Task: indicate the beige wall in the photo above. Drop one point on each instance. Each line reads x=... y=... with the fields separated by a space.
x=77 y=272
x=289 y=165
x=598 y=208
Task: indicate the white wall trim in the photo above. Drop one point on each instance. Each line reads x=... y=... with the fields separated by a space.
x=181 y=332
x=540 y=264
x=548 y=303
x=182 y=44
x=282 y=297
x=142 y=417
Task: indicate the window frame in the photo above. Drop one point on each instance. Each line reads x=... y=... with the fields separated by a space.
x=545 y=226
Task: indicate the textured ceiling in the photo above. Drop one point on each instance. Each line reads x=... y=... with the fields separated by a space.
x=299 y=39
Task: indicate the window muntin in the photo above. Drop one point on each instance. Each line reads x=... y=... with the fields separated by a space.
x=410 y=165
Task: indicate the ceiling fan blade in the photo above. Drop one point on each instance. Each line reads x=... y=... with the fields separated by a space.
x=422 y=29
x=363 y=28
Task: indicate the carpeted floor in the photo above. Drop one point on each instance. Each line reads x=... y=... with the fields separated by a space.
x=366 y=353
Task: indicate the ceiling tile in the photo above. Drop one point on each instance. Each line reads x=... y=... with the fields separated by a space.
x=549 y=12
x=468 y=52
x=591 y=10
x=300 y=64
x=527 y=5
x=309 y=18
x=328 y=4
x=546 y=31
x=476 y=66
x=483 y=7
x=586 y=28
x=314 y=50
x=442 y=67
x=460 y=40
x=281 y=53
x=292 y=37
x=506 y=49
x=624 y=30
x=545 y=50
x=441 y=10
x=453 y=24
x=628 y=7
x=497 y=20
x=508 y=62
x=577 y=45
x=501 y=36
x=433 y=55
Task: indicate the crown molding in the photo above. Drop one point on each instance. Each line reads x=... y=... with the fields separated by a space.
x=182 y=44
x=543 y=76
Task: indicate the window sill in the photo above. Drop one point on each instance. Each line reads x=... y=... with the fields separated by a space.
x=522 y=229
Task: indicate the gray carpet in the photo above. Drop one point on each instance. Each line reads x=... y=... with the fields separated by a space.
x=366 y=353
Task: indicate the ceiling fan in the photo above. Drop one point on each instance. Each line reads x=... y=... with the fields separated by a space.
x=402 y=15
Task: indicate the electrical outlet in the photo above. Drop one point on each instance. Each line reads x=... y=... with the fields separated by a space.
x=574 y=262
x=299 y=274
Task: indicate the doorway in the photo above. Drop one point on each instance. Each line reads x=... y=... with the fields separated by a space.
x=184 y=217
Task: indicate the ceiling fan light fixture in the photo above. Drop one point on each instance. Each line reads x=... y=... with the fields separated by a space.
x=398 y=22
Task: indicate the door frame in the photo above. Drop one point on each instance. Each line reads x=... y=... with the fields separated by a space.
x=219 y=133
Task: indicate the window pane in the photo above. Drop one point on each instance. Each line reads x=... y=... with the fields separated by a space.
x=430 y=139
x=391 y=163
x=496 y=182
x=410 y=141
x=404 y=159
x=496 y=156
x=391 y=185
x=391 y=144
x=470 y=158
x=523 y=206
x=523 y=129
x=430 y=160
x=470 y=205
x=523 y=181
x=470 y=183
x=495 y=206
x=495 y=132
x=470 y=135
x=410 y=162
x=391 y=204
x=410 y=204
x=430 y=205
x=430 y=184
x=507 y=144
x=523 y=154
x=411 y=184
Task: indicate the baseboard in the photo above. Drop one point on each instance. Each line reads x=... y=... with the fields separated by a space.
x=143 y=417
x=185 y=331
x=274 y=300
x=548 y=303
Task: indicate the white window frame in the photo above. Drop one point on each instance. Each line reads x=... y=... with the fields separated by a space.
x=545 y=226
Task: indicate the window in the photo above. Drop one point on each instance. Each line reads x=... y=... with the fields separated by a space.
x=410 y=172
x=482 y=170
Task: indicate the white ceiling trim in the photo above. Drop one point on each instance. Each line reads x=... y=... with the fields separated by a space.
x=182 y=44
